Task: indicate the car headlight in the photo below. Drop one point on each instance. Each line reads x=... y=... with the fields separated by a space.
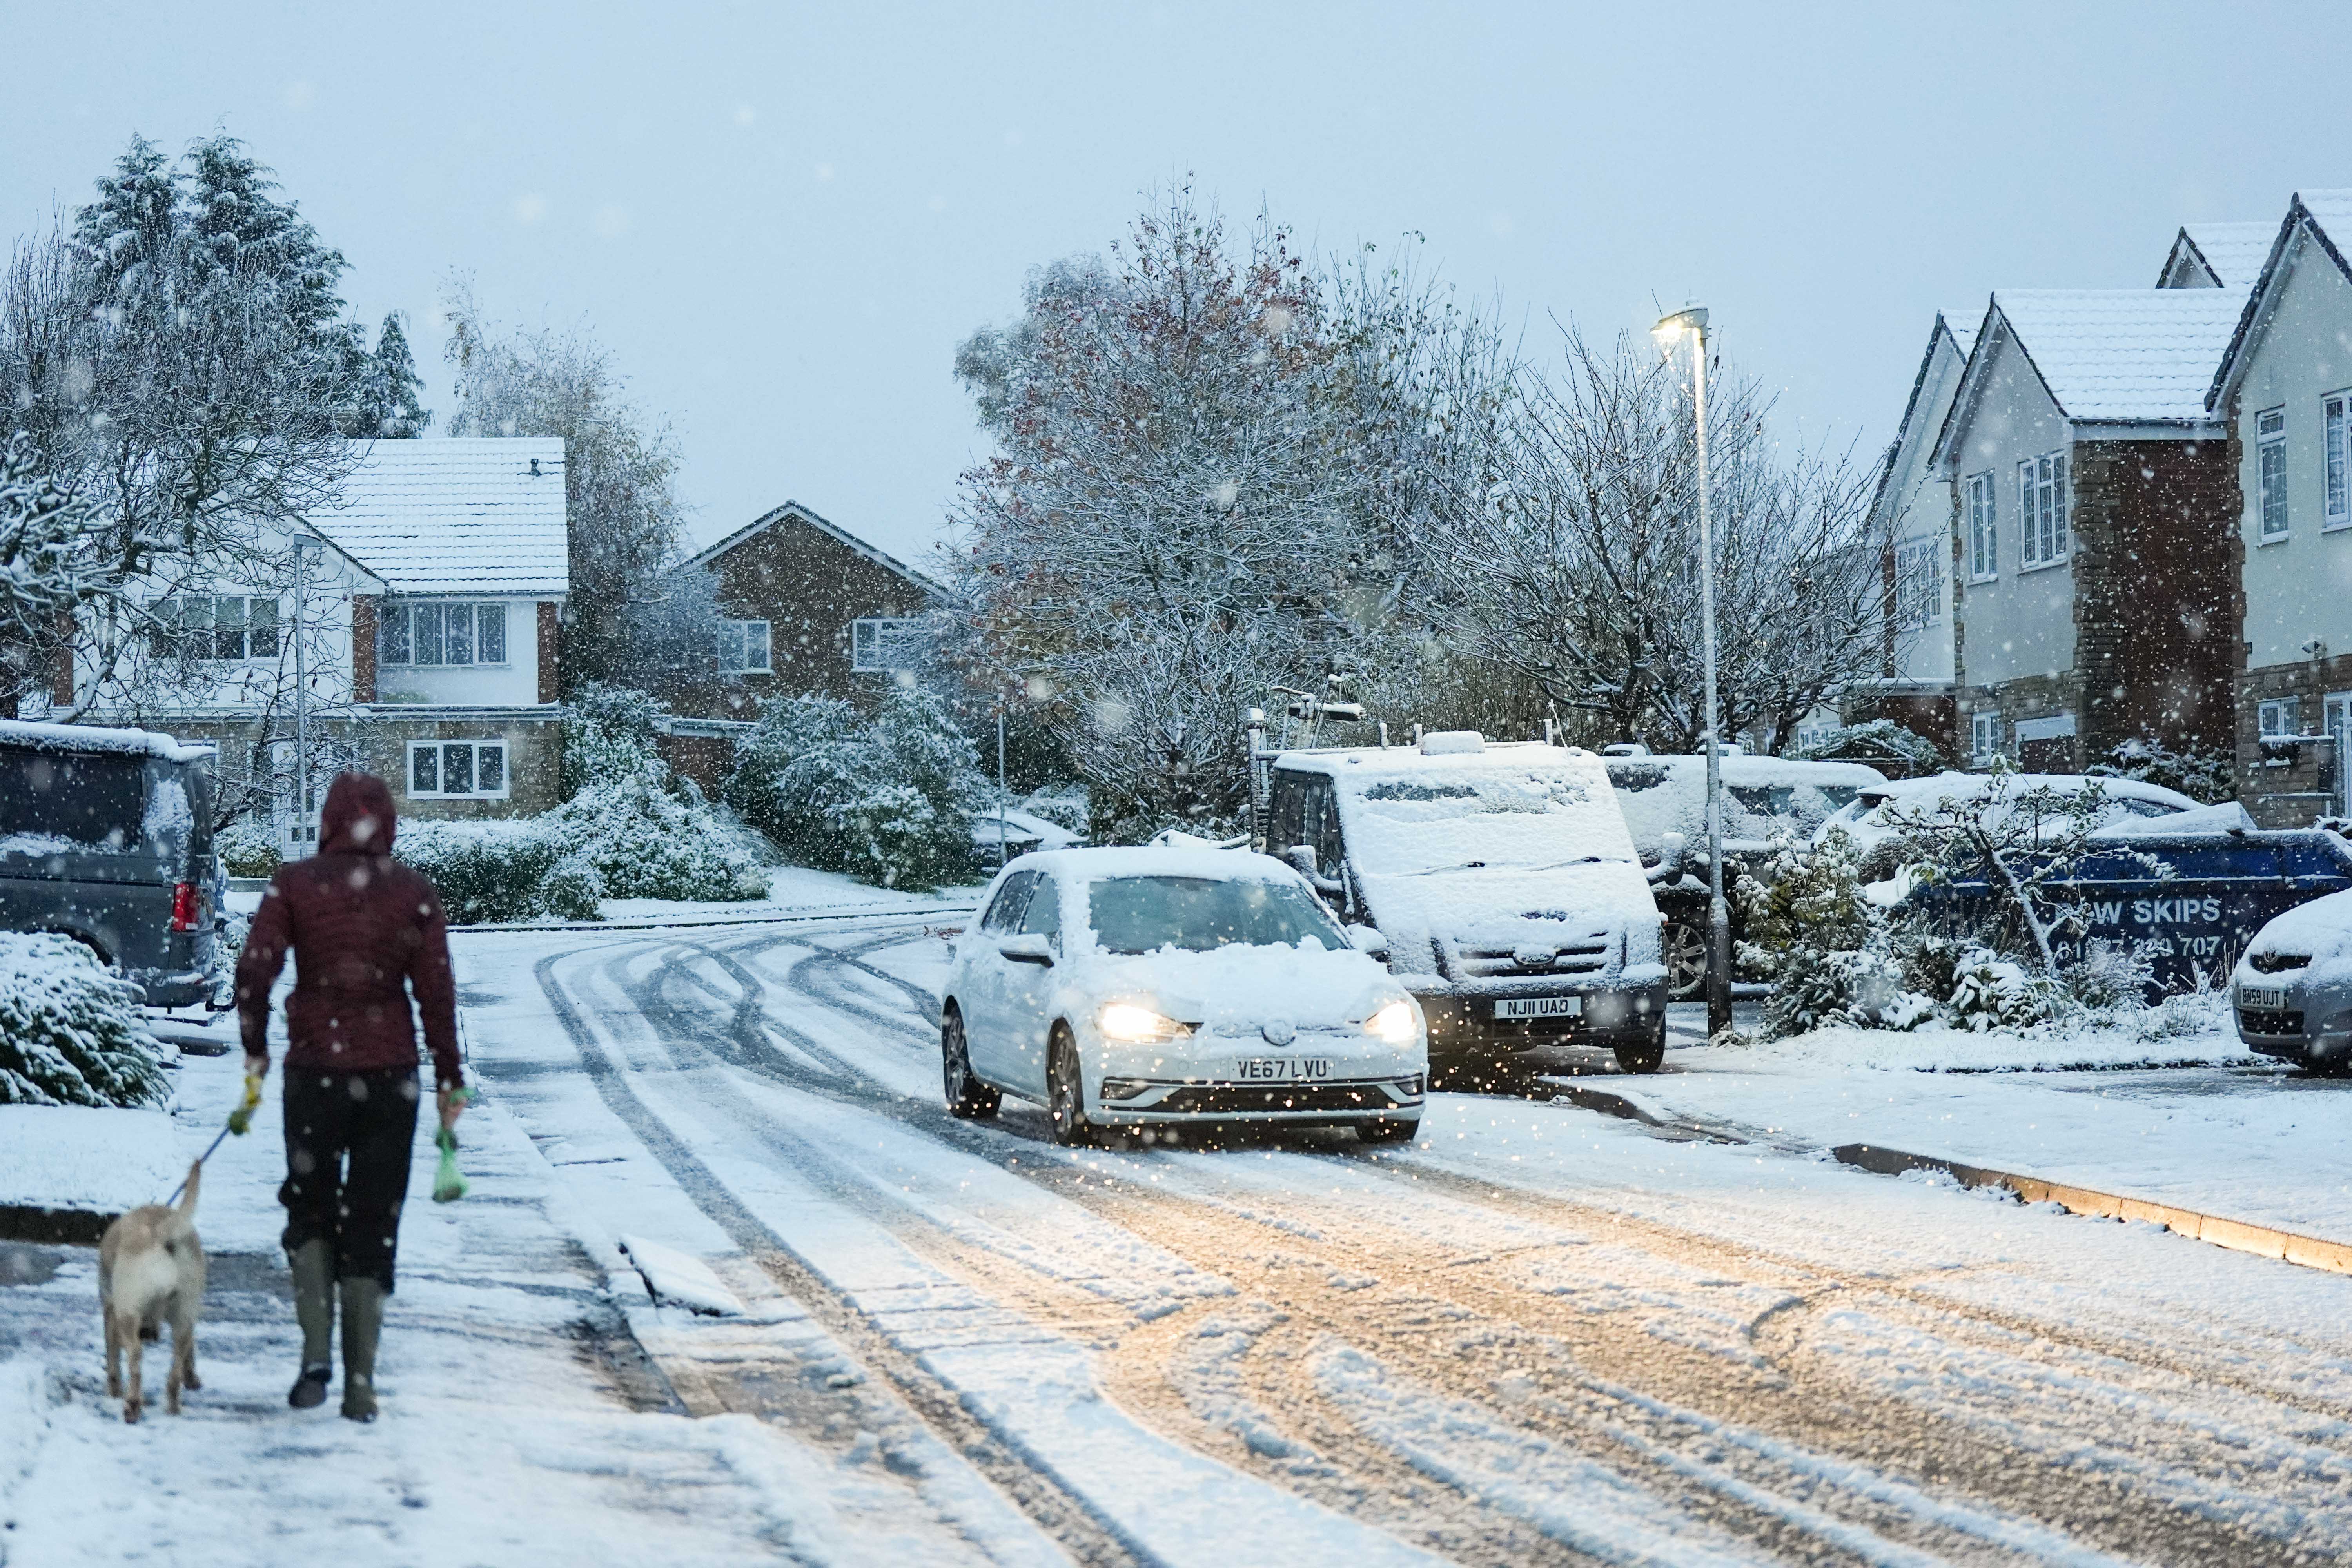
x=1393 y=1024
x=1125 y=1021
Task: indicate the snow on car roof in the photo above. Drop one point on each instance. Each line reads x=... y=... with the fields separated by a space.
x=1967 y=787
x=92 y=738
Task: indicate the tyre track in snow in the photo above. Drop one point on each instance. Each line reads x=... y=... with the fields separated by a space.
x=1132 y=1368
x=1062 y=1515
x=1986 y=1457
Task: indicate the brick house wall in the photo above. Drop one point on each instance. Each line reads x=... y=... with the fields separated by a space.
x=2158 y=606
x=809 y=587
x=2158 y=610
x=2291 y=786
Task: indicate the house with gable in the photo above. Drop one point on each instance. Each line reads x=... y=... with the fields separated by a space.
x=2286 y=386
x=805 y=605
x=2096 y=500
x=426 y=615
x=2216 y=256
x=1912 y=513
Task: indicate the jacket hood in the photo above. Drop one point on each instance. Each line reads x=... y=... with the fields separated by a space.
x=358 y=818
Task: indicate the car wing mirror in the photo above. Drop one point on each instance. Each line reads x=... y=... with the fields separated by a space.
x=1027 y=948
x=1301 y=856
x=1368 y=940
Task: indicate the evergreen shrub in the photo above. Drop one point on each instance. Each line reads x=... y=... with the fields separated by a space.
x=70 y=1033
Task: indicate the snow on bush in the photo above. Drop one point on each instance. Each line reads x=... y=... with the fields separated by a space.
x=487 y=872
x=247 y=849
x=69 y=1031
x=609 y=733
x=642 y=841
x=1878 y=738
x=571 y=889
x=2207 y=776
x=887 y=799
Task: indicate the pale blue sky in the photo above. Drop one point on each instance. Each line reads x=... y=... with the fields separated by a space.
x=782 y=220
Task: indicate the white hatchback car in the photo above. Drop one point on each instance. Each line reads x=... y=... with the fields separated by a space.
x=1164 y=987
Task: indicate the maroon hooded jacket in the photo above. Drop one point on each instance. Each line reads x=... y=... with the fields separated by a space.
x=360 y=924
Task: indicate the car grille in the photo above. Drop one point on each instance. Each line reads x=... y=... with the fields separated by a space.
x=1583 y=956
x=2274 y=963
x=1236 y=1098
x=2270 y=1021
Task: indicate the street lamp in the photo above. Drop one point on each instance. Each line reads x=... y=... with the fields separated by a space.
x=1691 y=322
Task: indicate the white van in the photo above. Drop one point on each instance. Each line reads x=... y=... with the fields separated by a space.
x=1503 y=880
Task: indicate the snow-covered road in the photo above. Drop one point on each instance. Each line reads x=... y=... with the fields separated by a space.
x=1536 y=1335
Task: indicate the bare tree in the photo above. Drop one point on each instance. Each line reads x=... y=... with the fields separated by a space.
x=1572 y=545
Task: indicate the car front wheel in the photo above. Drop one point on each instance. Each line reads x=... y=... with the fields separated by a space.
x=1684 y=948
x=967 y=1097
x=1065 y=1093
x=1645 y=1056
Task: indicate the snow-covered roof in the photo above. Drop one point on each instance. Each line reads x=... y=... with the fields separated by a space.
x=457 y=516
x=2224 y=255
x=2325 y=217
x=2123 y=355
x=1962 y=324
x=92 y=738
x=793 y=511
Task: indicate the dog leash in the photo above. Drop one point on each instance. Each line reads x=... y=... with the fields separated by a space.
x=240 y=1122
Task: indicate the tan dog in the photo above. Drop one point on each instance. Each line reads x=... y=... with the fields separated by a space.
x=150 y=1266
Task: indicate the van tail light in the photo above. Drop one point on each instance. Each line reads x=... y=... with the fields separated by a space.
x=184 y=907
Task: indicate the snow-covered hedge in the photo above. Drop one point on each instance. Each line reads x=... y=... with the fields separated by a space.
x=608 y=733
x=487 y=872
x=70 y=1032
x=247 y=848
x=643 y=841
x=887 y=798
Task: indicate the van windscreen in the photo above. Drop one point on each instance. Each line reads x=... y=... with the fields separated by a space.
x=94 y=798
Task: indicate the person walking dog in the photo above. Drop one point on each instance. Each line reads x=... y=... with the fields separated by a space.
x=365 y=931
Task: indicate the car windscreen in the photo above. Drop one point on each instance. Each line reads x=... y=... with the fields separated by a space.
x=1200 y=914
x=1519 y=819
x=95 y=798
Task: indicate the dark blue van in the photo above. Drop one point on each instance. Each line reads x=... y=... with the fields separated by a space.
x=2190 y=901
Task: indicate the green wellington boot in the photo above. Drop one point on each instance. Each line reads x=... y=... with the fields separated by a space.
x=314 y=1308
x=362 y=1322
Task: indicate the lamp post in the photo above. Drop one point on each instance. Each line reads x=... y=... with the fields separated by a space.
x=301 y=702
x=1692 y=320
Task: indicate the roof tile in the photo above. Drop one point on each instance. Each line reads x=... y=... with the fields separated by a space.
x=2125 y=354
x=457 y=516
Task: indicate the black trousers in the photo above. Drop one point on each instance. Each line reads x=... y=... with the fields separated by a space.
x=348 y=1137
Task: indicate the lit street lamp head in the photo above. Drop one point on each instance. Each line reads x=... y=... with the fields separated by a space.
x=1670 y=329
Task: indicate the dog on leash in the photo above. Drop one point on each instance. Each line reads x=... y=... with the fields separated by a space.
x=151 y=1266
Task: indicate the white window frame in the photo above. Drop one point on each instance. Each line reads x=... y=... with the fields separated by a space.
x=2279 y=716
x=1919 y=582
x=2041 y=508
x=1984 y=528
x=173 y=611
x=871 y=639
x=2336 y=461
x=734 y=648
x=2270 y=477
x=1984 y=735
x=473 y=761
x=398 y=630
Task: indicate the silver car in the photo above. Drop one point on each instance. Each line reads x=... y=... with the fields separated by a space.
x=2292 y=989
